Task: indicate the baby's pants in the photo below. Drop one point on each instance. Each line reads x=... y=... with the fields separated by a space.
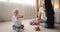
x=16 y=28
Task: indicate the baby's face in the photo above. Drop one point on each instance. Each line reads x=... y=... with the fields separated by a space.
x=16 y=12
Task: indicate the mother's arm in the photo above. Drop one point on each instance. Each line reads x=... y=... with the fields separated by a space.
x=39 y=16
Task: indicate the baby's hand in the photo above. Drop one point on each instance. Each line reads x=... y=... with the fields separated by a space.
x=22 y=16
x=18 y=16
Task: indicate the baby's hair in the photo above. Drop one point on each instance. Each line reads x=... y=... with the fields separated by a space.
x=15 y=10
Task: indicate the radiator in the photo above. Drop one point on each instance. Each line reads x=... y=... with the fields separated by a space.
x=57 y=15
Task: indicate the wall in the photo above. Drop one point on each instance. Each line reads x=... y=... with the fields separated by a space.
x=7 y=10
x=56 y=4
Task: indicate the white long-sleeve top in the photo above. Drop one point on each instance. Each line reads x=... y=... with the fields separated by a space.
x=16 y=21
x=43 y=16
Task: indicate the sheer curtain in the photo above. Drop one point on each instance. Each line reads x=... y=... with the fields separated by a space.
x=26 y=8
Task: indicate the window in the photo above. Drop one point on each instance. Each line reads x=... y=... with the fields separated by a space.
x=28 y=2
x=3 y=0
x=16 y=1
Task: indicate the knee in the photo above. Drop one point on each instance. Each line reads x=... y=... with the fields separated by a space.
x=22 y=25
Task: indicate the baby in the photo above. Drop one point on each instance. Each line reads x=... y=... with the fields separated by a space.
x=17 y=26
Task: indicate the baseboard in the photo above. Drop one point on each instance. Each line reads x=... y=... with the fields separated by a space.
x=4 y=20
x=57 y=22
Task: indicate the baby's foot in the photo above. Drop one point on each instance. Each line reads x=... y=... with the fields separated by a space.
x=21 y=30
